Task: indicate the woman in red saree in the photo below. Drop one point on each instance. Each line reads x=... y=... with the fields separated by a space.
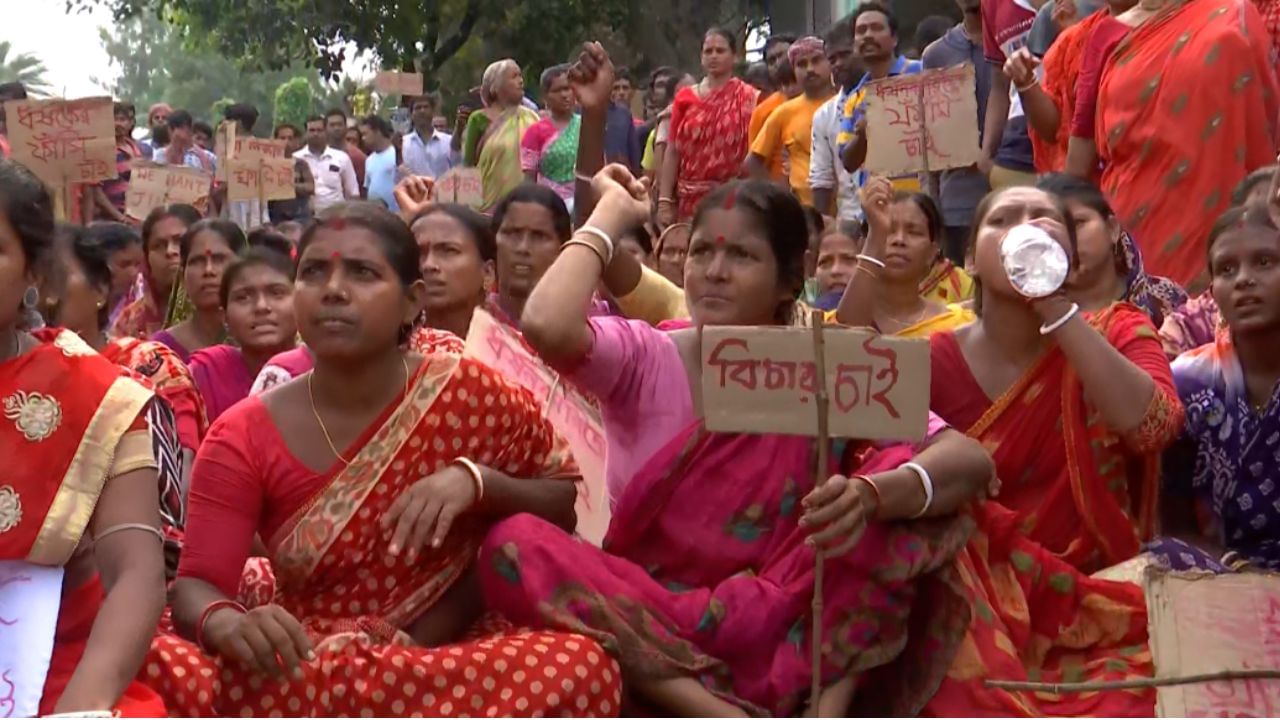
x=1075 y=412
x=359 y=478
x=161 y=233
x=709 y=128
x=79 y=530
x=1187 y=108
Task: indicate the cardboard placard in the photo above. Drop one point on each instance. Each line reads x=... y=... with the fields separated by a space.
x=569 y=411
x=1205 y=623
x=762 y=380
x=229 y=147
x=64 y=141
x=152 y=186
x=260 y=178
x=461 y=185
x=30 y=598
x=922 y=123
x=395 y=82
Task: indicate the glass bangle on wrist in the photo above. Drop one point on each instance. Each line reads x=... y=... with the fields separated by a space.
x=208 y=611
x=477 y=477
x=1054 y=326
x=604 y=237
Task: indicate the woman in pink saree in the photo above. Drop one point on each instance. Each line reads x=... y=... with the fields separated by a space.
x=702 y=590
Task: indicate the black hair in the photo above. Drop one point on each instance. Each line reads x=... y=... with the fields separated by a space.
x=932 y=215
x=1240 y=195
x=671 y=83
x=13 y=91
x=622 y=72
x=297 y=132
x=112 y=237
x=659 y=73
x=640 y=233
x=260 y=256
x=243 y=113
x=93 y=259
x=179 y=119
x=201 y=126
x=813 y=222
x=840 y=34
x=729 y=38
x=230 y=233
x=397 y=242
x=271 y=239
x=160 y=135
x=123 y=107
x=476 y=225
x=313 y=118
x=26 y=203
x=1074 y=189
x=778 y=38
x=537 y=195
x=335 y=111
x=931 y=29
x=1238 y=217
x=187 y=214
x=550 y=74
x=875 y=6
x=380 y=124
x=427 y=98
x=779 y=214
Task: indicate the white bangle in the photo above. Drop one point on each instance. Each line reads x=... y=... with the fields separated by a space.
x=1053 y=326
x=1024 y=88
x=582 y=177
x=874 y=261
x=604 y=237
x=926 y=482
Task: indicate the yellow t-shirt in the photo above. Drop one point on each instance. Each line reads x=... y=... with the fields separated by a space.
x=790 y=127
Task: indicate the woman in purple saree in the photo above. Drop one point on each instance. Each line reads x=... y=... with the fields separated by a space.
x=704 y=585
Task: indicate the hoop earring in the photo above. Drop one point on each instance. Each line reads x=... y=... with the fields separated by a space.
x=31 y=297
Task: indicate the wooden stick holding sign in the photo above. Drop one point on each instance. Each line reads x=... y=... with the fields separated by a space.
x=822 y=383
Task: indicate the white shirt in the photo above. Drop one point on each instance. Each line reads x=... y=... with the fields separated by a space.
x=826 y=171
x=334 y=174
x=432 y=157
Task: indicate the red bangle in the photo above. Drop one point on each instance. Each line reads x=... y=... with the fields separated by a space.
x=875 y=490
x=209 y=610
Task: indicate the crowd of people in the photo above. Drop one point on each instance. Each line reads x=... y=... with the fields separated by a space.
x=284 y=488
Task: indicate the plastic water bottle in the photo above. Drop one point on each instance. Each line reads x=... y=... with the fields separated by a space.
x=1036 y=264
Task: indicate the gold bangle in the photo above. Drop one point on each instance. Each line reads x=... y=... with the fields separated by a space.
x=599 y=253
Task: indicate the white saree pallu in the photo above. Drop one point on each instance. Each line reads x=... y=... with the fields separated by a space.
x=30 y=597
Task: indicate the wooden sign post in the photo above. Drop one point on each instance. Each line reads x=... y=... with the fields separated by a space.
x=152 y=186
x=841 y=383
x=460 y=185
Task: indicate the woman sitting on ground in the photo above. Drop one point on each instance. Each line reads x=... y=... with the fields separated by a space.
x=162 y=233
x=372 y=530
x=208 y=247
x=904 y=242
x=256 y=296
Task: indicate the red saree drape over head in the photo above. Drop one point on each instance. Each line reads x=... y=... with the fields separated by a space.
x=1187 y=108
x=711 y=134
x=333 y=573
x=1075 y=497
x=65 y=411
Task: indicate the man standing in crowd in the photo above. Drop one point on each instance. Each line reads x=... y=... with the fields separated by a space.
x=182 y=149
x=775 y=53
x=248 y=214
x=202 y=133
x=1007 y=157
x=790 y=127
x=875 y=37
x=428 y=150
x=157 y=118
x=621 y=139
x=834 y=192
x=960 y=190
x=106 y=200
x=335 y=122
x=380 y=168
x=623 y=90
x=304 y=186
x=335 y=178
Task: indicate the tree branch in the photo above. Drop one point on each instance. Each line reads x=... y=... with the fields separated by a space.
x=454 y=42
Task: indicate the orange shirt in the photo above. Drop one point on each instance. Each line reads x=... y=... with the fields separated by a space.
x=762 y=112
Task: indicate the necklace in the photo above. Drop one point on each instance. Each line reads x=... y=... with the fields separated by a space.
x=311 y=393
x=908 y=323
